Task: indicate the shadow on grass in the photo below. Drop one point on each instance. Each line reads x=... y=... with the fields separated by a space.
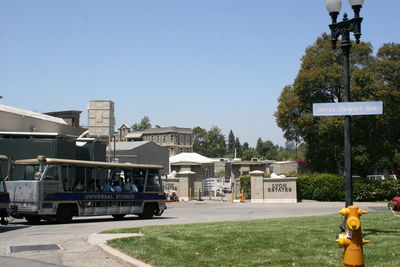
x=371 y=232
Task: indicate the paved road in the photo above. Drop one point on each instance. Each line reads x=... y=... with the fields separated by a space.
x=72 y=238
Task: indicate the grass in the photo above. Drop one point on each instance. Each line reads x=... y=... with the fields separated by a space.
x=302 y=241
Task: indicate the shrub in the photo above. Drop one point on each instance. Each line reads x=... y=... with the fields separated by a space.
x=366 y=190
x=245 y=185
x=322 y=187
x=330 y=187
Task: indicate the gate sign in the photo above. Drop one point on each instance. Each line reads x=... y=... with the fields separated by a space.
x=348 y=108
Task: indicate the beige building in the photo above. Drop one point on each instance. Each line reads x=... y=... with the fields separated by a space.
x=101 y=119
x=289 y=167
x=176 y=139
x=120 y=136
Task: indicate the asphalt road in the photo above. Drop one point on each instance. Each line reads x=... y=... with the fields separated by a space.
x=71 y=239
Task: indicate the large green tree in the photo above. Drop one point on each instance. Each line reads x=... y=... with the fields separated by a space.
x=266 y=149
x=217 y=145
x=209 y=143
x=320 y=80
x=200 y=140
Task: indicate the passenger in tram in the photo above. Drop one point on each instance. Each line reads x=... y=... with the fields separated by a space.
x=67 y=187
x=97 y=188
x=116 y=186
x=79 y=185
x=130 y=187
x=107 y=187
x=93 y=186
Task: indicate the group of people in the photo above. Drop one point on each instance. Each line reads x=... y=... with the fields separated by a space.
x=108 y=186
x=114 y=186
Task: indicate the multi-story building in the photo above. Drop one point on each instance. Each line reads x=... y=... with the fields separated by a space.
x=122 y=132
x=101 y=119
x=175 y=139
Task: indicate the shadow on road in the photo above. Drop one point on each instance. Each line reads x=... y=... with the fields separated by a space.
x=8 y=228
x=12 y=262
x=94 y=219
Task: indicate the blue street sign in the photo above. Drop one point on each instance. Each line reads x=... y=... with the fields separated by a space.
x=348 y=108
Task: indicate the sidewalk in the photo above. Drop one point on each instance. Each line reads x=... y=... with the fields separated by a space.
x=101 y=241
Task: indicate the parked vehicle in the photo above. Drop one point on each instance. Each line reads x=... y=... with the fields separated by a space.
x=376 y=177
x=380 y=177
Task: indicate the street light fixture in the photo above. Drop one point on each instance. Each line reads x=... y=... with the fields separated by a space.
x=343 y=28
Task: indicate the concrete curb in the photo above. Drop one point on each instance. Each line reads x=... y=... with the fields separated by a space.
x=100 y=240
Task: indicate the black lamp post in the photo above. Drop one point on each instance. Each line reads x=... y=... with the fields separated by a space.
x=343 y=29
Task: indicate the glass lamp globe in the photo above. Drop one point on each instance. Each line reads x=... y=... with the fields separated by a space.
x=334 y=5
x=356 y=2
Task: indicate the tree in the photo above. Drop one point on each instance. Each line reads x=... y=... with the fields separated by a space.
x=231 y=142
x=320 y=80
x=217 y=145
x=260 y=146
x=248 y=154
x=266 y=149
x=200 y=141
x=143 y=125
x=245 y=146
x=209 y=143
x=238 y=148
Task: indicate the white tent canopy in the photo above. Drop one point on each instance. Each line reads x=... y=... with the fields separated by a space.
x=189 y=158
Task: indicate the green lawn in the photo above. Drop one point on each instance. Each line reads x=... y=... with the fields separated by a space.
x=303 y=241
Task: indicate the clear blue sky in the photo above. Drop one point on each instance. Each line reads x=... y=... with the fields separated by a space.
x=180 y=62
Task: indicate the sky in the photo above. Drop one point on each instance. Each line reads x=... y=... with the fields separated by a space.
x=183 y=63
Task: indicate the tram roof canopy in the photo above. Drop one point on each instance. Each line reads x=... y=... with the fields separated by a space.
x=86 y=163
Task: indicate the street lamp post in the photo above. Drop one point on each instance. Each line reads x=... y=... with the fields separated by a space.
x=343 y=29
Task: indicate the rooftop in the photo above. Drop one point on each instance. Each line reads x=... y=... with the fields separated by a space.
x=32 y=114
x=168 y=129
x=129 y=145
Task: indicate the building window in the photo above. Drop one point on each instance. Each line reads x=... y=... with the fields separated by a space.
x=172 y=139
x=164 y=139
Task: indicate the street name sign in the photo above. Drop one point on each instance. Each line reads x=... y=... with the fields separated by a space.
x=348 y=108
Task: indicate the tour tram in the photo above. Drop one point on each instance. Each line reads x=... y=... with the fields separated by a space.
x=56 y=189
x=4 y=197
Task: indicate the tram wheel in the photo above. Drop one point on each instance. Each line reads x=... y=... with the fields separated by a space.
x=118 y=216
x=32 y=219
x=64 y=214
x=148 y=211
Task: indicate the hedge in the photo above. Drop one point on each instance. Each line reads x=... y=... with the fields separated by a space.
x=330 y=187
